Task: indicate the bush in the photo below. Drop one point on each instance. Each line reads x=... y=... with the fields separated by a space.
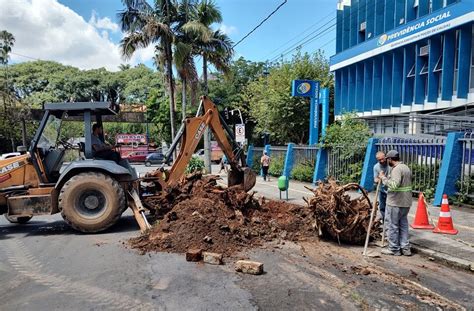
x=256 y=165
x=195 y=165
x=303 y=172
x=276 y=166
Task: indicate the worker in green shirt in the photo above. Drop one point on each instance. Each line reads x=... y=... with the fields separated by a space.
x=399 y=201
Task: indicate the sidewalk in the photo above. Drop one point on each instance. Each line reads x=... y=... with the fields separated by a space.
x=457 y=250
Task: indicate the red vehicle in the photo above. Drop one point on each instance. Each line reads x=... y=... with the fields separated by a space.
x=137 y=156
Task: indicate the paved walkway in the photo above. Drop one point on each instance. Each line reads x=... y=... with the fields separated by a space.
x=456 y=249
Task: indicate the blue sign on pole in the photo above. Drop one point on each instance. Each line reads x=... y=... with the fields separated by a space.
x=309 y=88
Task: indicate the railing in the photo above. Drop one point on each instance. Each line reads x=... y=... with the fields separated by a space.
x=345 y=164
x=304 y=154
x=423 y=156
x=466 y=182
x=277 y=152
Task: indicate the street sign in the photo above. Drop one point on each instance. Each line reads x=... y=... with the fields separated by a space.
x=240 y=133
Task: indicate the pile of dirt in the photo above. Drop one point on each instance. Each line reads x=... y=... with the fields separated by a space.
x=200 y=214
x=339 y=217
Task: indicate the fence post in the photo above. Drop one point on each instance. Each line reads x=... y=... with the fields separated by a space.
x=367 y=180
x=267 y=149
x=249 y=159
x=450 y=170
x=321 y=164
x=288 y=161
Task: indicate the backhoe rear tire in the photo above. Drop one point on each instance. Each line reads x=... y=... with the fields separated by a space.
x=18 y=219
x=91 y=202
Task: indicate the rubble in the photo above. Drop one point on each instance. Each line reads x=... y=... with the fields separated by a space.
x=222 y=220
x=194 y=255
x=199 y=214
x=249 y=267
x=212 y=258
x=339 y=217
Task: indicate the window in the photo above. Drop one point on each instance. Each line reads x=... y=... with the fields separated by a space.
x=439 y=64
x=424 y=69
x=411 y=73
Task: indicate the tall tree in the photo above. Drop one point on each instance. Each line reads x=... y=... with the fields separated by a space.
x=145 y=25
x=7 y=41
x=217 y=50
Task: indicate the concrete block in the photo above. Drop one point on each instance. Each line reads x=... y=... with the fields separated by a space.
x=212 y=258
x=194 y=255
x=249 y=267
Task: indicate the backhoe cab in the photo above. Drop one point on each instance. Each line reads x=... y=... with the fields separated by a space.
x=90 y=193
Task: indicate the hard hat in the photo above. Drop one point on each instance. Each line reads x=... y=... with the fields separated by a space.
x=392 y=154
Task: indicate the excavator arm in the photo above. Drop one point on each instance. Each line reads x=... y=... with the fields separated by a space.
x=190 y=135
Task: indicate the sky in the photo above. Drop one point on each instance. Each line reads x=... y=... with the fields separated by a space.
x=86 y=33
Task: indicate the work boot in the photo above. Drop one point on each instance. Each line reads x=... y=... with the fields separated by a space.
x=388 y=251
x=406 y=252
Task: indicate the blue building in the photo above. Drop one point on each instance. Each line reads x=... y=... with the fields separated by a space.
x=404 y=58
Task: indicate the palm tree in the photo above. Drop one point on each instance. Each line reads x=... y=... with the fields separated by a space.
x=7 y=41
x=144 y=25
x=217 y=50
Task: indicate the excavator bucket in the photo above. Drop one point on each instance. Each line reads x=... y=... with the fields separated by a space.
x=245 y=177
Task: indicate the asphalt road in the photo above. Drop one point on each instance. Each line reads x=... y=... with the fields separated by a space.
x=45 y=265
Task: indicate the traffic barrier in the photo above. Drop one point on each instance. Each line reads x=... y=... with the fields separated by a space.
x=421 y=220
x=445 y=221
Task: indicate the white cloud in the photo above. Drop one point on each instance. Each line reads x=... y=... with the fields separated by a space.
x=103 y=23
x=46 y=29
x=228 y=30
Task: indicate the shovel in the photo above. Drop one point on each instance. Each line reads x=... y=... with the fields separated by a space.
x=374 y=207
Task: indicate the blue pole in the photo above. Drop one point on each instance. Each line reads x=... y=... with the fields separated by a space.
x=314 y=120
x=288 y=161
x=325 y=108
x=250 y=156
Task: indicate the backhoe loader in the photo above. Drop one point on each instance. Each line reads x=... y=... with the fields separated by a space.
x=91 y=193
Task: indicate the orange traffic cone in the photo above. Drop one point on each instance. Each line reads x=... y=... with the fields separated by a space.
x=445 y=222
x=421 y=217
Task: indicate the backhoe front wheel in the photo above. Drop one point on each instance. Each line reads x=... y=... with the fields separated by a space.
x=91 y=202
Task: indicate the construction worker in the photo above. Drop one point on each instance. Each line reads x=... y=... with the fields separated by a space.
x=381 y=166
x=398 y=204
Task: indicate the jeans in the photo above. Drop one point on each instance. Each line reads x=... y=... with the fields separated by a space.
x=265 y=172
x=382 y=203
x=397 y=228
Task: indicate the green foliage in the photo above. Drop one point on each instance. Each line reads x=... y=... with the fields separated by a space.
x=424 y=179
x=303 y=172
x=268 y=101
x=276 y=166
x=195 y=165
x=256 y=165
x=352 y=174
x=347 y=132
x=465 y=188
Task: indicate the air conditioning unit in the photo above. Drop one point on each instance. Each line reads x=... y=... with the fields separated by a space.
x=425 y=50
x=363 y=26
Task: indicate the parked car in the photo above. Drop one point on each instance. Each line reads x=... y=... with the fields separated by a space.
x=155 y=158
x=137 y=156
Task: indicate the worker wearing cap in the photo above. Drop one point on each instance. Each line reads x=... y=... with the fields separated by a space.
x=398 y=204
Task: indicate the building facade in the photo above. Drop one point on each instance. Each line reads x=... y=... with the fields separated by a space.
x=404 y=58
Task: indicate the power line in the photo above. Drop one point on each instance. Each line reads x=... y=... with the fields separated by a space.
x=24 y=56
x=260 y=24
x=299 y=44
x=301 y=33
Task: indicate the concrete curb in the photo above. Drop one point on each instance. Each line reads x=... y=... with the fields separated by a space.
x=444 y=258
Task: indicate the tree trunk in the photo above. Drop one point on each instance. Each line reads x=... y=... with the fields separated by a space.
x=207 y=132
x=183 y=100
x=169 y=65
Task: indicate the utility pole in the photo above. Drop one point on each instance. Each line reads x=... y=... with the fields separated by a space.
x=207 y=132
